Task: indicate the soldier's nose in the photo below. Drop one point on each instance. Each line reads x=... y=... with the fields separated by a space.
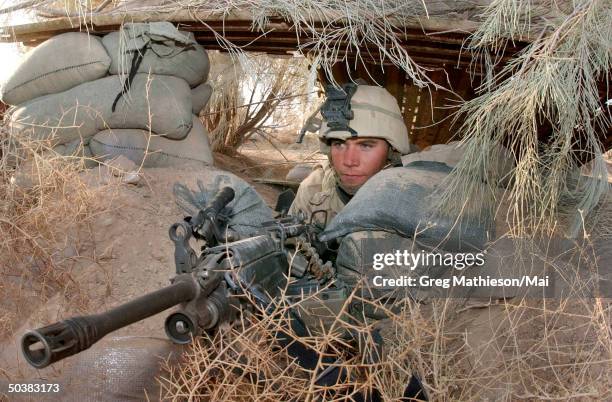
x=351 y=156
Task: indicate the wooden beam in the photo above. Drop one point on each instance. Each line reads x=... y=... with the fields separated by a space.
x=95 y=23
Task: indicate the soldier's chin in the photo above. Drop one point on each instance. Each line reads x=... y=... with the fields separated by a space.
x=351 y=189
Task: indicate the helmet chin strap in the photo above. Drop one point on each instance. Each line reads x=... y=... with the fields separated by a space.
x=394 y=159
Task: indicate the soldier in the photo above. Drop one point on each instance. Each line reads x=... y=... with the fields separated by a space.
x=362 y=133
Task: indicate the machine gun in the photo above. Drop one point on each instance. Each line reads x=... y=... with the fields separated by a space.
x=204 y=284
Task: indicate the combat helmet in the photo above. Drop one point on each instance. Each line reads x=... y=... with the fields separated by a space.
x=363 y=111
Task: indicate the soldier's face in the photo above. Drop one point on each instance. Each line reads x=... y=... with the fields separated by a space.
x=357 y=159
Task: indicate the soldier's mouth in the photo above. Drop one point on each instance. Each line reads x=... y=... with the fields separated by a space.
x=351 y=178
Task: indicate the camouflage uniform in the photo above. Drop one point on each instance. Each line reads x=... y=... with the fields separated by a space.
x=318 y=197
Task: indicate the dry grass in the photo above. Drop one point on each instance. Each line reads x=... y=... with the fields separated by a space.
x=550 y=90
x=254 y=95
x=514 y=349
x=43 y=204
x=536 y=352
x=335 y=28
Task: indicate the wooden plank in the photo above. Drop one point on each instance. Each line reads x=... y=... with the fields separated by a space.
x=464 y=87
x=433 y=121
x=434 y=117
x=15 y=33
x=241 y=38
x=425 y=47
x=394 y=82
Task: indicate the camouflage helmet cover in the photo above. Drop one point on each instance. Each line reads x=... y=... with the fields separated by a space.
x=374 y=112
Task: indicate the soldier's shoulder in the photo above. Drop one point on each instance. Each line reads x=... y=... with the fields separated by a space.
x=313 y=183
x=315 y=193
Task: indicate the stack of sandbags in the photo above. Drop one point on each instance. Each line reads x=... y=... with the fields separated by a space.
x=133 y=93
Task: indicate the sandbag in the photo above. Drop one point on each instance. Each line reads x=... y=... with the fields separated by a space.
x=117 y=368
x=449 y=154
x=245 y=213
x=200 y=96
x=77 y=148
x=299 y=172
x=159 y=151
x=165 y=50
x=453 y=152
x=86 y=109
x=56 y=65
x=399 y=200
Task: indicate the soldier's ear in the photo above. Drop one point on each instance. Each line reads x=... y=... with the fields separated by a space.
x=284 y=201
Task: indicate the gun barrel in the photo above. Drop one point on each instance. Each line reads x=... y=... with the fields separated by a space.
x=223 y=197
x=54 y=342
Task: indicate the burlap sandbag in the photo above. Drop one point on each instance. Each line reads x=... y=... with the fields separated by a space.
x=200 y=96
x=165 y=50
x=299 y=172
x=56 y=65
x=400 y=200
x=359 y=262
x=117 y=368
x=79 y=149
x=246 y=212
x=355 y=266
x=453 y=152
x=162 y=102
x=159 y=151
